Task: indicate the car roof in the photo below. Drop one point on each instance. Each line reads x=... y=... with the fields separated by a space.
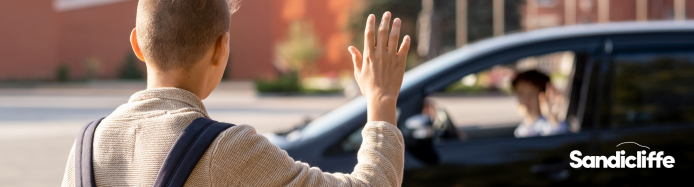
x=491 y=45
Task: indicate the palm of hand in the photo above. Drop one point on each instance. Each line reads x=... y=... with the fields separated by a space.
x=550 y=102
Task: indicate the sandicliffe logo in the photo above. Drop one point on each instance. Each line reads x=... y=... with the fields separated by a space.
x=642 y=159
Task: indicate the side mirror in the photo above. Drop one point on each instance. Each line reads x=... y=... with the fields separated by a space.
x=418 y=133
x=419 y=128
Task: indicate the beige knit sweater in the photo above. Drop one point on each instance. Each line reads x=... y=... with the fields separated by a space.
x=131 y=144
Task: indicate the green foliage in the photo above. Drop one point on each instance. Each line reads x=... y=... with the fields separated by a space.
x=129 y=69
x=63 y=73
x=301 y=48
x=406 y=10
x=460 y=88
x=286 y=83
x=93 y=66
x=298 y=51
x=320 y=91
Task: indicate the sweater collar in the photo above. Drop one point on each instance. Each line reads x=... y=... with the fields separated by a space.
x=170 y=93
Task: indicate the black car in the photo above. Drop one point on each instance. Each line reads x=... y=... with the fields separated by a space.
x=621 y=82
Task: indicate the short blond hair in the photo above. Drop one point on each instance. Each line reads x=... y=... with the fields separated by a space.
x=177 y=33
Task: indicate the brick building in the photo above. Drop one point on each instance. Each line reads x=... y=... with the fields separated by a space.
x=549 y=13
x=91 y=36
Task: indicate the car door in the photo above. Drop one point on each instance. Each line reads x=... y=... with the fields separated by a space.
x=482 y=108
x=648 y=105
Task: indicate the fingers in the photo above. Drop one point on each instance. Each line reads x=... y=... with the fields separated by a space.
x=394 y=35
x=404 y=48
x=552 y=90
x=549 y=88
x=553 y=93
x=382 y=38
x=369 y=34
x=356 y=58
x=542 y=100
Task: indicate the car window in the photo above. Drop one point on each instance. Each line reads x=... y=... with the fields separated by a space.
x=487 y=104
x=652 y=88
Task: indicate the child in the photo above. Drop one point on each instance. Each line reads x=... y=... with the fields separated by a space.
x=185 y=45
x=537 y=100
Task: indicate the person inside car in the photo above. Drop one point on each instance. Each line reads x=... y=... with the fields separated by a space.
x=538 y=103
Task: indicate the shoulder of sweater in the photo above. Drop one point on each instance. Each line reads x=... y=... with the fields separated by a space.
x=237 y=133
x=240 y=128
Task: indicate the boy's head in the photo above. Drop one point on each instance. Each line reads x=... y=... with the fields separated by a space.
x=183 y=42
x=533 y=77
x=528 y=86
x=176 y=33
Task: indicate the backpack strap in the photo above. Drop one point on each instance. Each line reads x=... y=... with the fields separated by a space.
x=84 y=176
x=190 y=146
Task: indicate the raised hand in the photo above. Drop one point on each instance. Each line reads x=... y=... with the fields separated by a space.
x=550 y=101
x=380 y=70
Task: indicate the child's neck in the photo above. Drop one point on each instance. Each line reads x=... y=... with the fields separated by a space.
x=178 y=78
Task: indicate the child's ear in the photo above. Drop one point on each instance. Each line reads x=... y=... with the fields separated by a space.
x=221 y=49
x=136 y=46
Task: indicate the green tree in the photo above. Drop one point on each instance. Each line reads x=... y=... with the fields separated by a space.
x=406 y=10
x=298 y=53
x=63 y=73
x=300 y=49
x=130 y=69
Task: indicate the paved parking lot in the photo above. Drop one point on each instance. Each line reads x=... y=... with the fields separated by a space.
x=38 y=123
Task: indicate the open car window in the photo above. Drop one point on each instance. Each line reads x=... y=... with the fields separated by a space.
x=486 y=105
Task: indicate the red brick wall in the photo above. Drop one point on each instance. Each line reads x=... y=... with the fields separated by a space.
x=251 y=42
x=98 y=34
x=622 y=10
x=35 y=39
x=661 y=9
x=27 y=40
x=619 y=10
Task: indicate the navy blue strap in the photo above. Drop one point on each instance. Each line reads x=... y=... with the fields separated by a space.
x=84 y=176
x=190 y=146
x=187 y=151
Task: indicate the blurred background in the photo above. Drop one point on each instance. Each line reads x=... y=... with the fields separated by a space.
x=66 y=62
